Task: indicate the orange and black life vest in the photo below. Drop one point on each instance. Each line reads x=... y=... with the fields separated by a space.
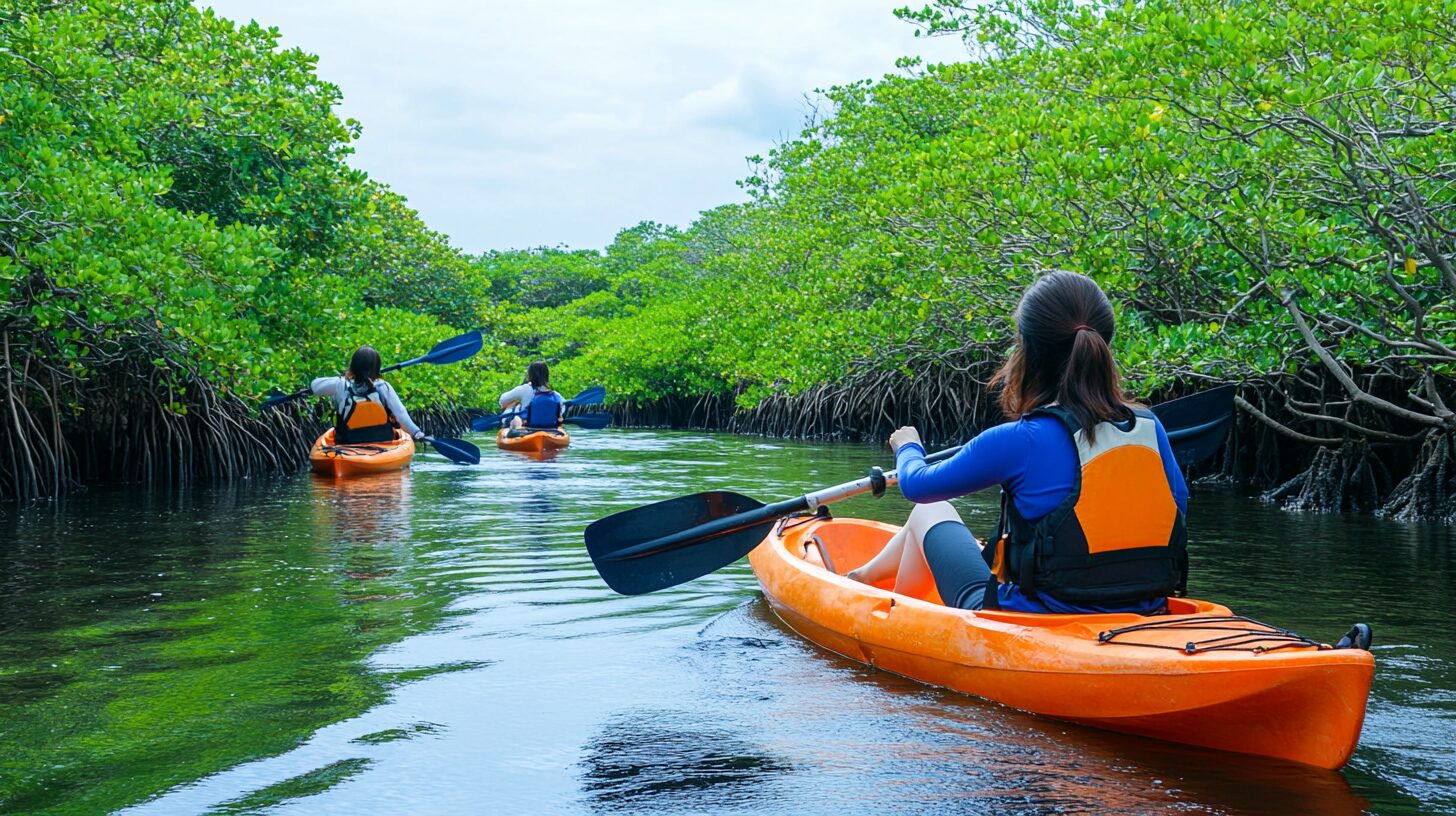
x=364 y=418
x=1118 y=537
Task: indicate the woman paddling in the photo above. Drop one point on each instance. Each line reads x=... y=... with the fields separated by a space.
x=1092 y=498
x=366 y=408
x=540 y=406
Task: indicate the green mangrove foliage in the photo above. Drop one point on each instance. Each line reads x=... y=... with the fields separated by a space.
x=179 y=231
x=1264 y=187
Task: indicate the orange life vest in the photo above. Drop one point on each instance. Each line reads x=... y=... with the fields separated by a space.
x=364 y=418
x=1117 y=537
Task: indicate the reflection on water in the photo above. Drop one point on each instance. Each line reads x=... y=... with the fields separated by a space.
x=437 y=642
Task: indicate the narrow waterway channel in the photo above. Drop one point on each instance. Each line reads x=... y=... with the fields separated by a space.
x=437 y=642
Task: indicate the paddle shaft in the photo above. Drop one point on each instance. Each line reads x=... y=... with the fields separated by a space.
x=446 y=351
x=398 y=366
x=808 y=502
x=876 y=482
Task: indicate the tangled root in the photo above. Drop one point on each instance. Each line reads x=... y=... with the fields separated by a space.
x=1429 y=491
x=1350 y=477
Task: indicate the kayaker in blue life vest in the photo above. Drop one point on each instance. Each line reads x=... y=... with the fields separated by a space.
x=540 y=406
x=366 y=408
x=1093 y=503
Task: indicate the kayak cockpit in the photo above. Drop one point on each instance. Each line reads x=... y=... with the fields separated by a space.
x=841 y=546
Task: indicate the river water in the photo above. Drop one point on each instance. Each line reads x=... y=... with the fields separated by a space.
x=438 y=642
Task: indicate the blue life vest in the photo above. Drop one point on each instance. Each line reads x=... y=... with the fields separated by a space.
x=544 y=409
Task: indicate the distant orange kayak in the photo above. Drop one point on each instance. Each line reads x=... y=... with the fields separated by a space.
x=526 y=440
x=343 y=461
x=1198 y=675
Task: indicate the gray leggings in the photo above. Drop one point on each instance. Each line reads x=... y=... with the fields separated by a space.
x=954 y=557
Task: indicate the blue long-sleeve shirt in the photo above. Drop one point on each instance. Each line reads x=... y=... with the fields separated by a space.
x=1035 y=460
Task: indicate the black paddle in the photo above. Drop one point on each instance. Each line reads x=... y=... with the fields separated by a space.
x=446 y=351
x=591 y=396
x=456 y=450
x=674 y=541
x=1197 y=424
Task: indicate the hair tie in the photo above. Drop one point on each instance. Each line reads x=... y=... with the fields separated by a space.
x=1084 y=326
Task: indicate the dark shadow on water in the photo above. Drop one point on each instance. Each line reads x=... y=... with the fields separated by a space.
x=538 y=502
x=534 y=456
x=652 y=759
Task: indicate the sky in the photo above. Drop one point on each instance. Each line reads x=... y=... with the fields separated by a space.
x=524 y=124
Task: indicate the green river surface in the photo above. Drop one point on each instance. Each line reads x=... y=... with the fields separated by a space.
x=438 y=642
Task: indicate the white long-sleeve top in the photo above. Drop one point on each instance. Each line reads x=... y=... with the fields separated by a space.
x=523 y=394
x=337 y=389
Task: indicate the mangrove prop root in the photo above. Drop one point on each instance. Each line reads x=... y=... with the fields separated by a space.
x=1349 y=477
x=1429 y=491
x=147 y=439
x=1299 y=438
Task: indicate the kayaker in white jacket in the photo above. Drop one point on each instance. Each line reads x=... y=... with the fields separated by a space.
x=538 y=383
x=366 y=408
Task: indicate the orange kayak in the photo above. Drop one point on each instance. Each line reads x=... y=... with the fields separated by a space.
x=529 y=441
x=343 y=461
x=1198 y=675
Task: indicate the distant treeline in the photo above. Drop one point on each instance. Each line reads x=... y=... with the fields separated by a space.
x=1265 y=188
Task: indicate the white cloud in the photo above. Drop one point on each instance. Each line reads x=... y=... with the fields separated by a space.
x=524 y=124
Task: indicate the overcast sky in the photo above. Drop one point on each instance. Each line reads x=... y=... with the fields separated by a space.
x=539 y=124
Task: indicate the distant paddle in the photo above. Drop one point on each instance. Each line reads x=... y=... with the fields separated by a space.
x=446 y=351
x=590 y=421
x=672 y=542
x=595 y=395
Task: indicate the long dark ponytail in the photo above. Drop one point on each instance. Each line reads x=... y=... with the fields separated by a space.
x=1064 y=327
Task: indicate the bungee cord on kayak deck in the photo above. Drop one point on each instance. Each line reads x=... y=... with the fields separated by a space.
x=1250 y=638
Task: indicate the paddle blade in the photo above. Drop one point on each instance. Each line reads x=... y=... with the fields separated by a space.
x=595 y=395
x=457 y=450
x=607 y=538
x=446 y=351
x=1196 y=424
x=455 y=349
x=590 y=421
